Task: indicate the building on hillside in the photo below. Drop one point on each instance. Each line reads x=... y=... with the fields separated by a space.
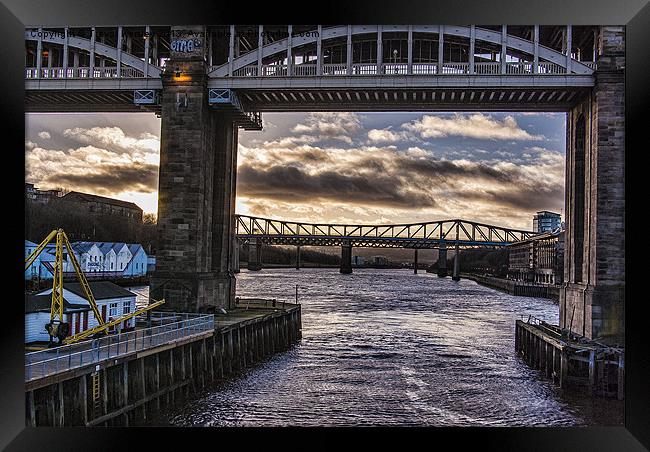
x=538 y=260
x=40 y=196
x=546 y=221
x=96 y=259
x=112 y=300
x=358 y=261
x=100 y=205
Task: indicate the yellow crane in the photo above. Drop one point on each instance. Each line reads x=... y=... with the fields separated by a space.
x=57 y=327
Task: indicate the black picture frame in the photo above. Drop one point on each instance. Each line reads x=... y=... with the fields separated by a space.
x=16 y=14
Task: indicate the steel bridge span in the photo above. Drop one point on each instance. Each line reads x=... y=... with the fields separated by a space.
x=459 y=234
x=207 y=82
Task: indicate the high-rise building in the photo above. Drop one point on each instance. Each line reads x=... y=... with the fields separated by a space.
x=546 y=221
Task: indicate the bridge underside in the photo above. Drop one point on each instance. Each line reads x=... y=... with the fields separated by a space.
x=84 y=101
x=369 y=242
x=413 y=99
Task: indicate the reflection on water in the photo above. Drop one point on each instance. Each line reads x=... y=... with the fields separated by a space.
x=389 y=347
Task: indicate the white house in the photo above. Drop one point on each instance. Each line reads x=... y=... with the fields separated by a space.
x=123 y=256
x=32 y=271
x=110 y=258
x=137 y=266
x=89 y=257
x=112 y=300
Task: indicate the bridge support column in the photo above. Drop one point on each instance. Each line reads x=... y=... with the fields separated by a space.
x=442 y=260
x=255 y=255
x=456 y=274
x=594 y=258
x=298 y=257
x=196 y=187
x=415 y=261
x=346 y=257
x=234 y=266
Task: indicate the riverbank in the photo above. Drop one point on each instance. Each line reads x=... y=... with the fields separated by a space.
x=515 y=287
x=134 y=377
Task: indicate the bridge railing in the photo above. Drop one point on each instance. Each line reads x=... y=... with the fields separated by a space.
x=433 y=68
x=60 y=359
x=82 y=72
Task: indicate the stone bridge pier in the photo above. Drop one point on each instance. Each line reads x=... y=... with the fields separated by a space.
x=592 y=301
x=456 y=273
x=346 y=257
x=255 y=255
x=442 y=260
x=198 y=161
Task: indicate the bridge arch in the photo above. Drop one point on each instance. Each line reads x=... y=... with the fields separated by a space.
x=480 y=35
x=100 y=49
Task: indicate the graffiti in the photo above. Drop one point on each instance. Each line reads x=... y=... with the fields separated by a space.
x=186 y=45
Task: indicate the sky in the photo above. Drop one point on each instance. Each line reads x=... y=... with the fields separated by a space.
x=360 y=168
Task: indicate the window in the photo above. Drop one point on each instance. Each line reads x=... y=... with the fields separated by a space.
x=126 y=307
x=112 y=310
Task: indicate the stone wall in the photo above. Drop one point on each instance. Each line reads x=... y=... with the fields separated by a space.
x=593 y=305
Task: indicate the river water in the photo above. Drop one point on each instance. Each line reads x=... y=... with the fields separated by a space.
x=387 y=347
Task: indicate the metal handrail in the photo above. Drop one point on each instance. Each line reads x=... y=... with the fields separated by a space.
x=73 y=356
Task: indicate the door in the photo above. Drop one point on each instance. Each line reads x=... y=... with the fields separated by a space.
x=85 y=320
x=104 y=313
x=77 y=321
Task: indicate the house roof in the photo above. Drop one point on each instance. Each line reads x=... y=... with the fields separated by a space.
x=117 y=247
x=105 y=247
x=82 y=247
x=42 y=303
x=134 y=248
x=102 y=199
x=101 y=290
x=29 y=243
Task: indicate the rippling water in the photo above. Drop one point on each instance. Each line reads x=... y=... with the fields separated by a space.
x=387 y=347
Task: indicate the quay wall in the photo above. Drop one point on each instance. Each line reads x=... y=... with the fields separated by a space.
x=133 y=389
x=516 y=288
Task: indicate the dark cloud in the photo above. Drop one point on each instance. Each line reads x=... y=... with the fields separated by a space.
x=531 y=198
x=294 y=185
x=110 y=179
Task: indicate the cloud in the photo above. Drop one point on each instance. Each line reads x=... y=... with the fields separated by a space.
x=110 y=164
x=387 y=136
x=330 y=125
x=114 y=139
x=478 y=126
x=45 y=135
x=397 y=183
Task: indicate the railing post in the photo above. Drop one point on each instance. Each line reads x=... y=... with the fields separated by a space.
x=260 y=44
x=409 y=67
x=319 y=51
x=504 y=34
x=289 y=44
x=145 y=71
x=472 y=43
x=349 y=51
x=231 y=50
x=39 y=53
x=65 y=53
x=536 y=49
x=380 y=52
x=119 y=51
x=569 y=44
